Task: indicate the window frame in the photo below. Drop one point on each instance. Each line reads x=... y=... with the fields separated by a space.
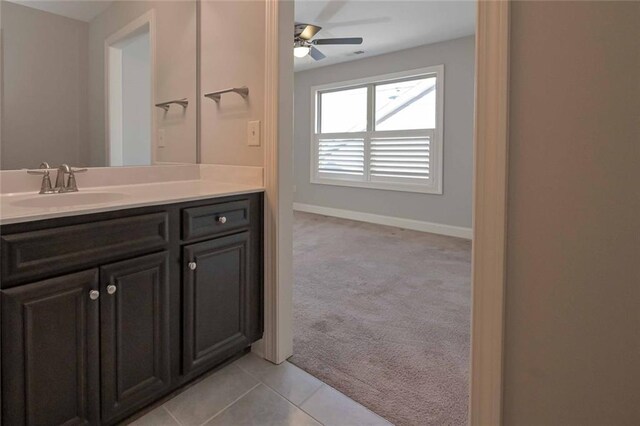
x=434 y=184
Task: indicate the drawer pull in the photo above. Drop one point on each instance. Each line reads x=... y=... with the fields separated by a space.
x=192 y=266
x=204 y=221
x=94 y=294
x=111 y=289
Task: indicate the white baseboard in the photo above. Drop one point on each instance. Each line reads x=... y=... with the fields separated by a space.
x=415 y=225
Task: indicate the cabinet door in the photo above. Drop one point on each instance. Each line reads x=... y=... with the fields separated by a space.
x=50 y=352
x=215 y=301
x=134 y=333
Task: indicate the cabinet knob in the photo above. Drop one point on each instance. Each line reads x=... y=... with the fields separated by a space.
x=94 y=294
x=192 y=266
x=111 y=289
x=222 y=219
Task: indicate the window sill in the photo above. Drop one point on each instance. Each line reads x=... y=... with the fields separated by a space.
x=387 y=186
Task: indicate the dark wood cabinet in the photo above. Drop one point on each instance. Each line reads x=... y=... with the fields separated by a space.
x=34 y=254
x=134 y=333
x=217 y=282
x=103 y=314
x=50 y=361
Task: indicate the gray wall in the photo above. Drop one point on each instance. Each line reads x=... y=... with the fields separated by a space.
x=572 y=343
x=453 y=207
x=42 y=121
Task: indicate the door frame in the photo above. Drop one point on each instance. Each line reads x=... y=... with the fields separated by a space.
x=277 y=343
x=491 y=140
x=489 y=200
x=113 y=60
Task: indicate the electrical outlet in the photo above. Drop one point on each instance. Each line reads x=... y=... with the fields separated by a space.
x=253 y=133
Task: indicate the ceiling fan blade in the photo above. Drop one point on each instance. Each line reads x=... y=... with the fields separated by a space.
x=309 y=32
x=345 y=40
x=316 y=54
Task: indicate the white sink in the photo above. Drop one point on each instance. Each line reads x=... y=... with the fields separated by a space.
x=68 y=199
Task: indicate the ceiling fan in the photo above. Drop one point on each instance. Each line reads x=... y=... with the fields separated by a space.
x=303 y=45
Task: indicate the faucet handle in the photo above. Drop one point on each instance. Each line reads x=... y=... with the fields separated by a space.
x=44 y=169
x=45 y=186
x=72 y=185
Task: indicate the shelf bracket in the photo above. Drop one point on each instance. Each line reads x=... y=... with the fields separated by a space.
x=165 y=105
x=242 y=91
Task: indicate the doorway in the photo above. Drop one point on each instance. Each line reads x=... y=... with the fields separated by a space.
x=129 y=81
x=383 y=161
x=489 y=207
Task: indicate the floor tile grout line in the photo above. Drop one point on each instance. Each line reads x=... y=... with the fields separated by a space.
x=308 y=413
x=284 y=396
x=312 y=393
x=361 y=405
x=298 y=406
x=331 y=387
x=346 y=396
x=295 y=405
x=291 y=402
x=230 y=404
x=255 y=376
x=259 y=378
x=171 y=414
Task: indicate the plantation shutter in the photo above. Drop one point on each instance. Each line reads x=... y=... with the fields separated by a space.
x=341 y=156
x=401 y=158
x=382 y=132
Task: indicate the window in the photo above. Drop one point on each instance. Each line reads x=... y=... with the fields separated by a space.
x=383 y=132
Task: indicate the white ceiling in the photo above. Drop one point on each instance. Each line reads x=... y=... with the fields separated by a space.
x=84 y=10
x=386 y=26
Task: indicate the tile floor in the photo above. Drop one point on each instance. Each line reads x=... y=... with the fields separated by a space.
x=252 y=391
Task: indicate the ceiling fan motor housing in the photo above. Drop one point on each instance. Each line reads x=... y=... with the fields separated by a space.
x=303 y=33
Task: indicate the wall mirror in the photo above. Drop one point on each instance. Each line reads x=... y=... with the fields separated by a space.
x=98 y=83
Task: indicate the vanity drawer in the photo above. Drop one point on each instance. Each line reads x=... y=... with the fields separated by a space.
x=35 y=254
x=198 y=222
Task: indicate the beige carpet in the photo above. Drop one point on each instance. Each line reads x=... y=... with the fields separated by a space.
x=382 y=314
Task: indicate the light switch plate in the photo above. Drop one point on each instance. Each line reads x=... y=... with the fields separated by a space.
x=161 y=139
x=253 y=133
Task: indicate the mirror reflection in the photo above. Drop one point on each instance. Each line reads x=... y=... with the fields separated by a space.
x=98 y=83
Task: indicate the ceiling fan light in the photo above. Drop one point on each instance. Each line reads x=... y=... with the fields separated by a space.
x=301 y=51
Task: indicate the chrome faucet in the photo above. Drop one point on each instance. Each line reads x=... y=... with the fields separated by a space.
x=62 y=171
x=69 y=185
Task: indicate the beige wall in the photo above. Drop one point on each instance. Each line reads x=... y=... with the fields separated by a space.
x=572 y=343
x=45 y=88
x=453 y=206
x=175 y=74
x=232 y=55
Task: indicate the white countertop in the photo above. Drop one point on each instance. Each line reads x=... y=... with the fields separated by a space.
x=124 y=197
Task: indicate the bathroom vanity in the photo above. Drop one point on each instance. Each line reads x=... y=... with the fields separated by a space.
x=107 y=312
x=121 y=285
